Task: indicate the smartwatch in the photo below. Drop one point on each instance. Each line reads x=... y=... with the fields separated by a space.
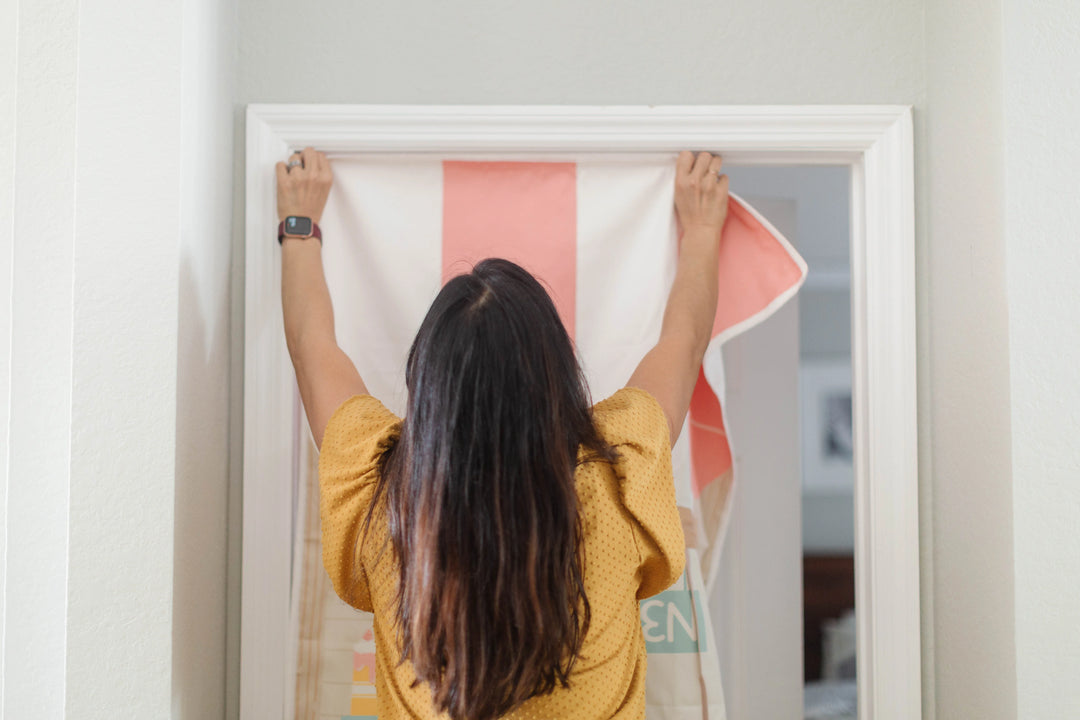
x=299 y=227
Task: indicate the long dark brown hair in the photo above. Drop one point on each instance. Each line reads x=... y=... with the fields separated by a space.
x=480 y=500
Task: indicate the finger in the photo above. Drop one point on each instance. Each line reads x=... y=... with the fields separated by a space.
x=328 y=172
x=295 y=161
x=310 y=163
x=684 y=162
x=701 y=164
x=313 y=162
x=282 y=173
x=712 y=174
x=324 y=165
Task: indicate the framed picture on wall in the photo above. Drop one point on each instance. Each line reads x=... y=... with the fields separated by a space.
x=825 y=425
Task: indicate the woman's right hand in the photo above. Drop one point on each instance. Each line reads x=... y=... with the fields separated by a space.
x=302 y=189
x=701 y=193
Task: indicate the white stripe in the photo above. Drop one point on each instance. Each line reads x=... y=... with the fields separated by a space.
x=627 y=255
x=627 y=252
x=382 y=252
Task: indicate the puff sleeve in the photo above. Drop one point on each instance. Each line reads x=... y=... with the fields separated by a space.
x=633 y=421
x=356 y=436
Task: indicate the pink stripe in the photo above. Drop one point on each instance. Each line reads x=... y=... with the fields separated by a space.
x=710 y=452
x=755 y=269
x=522 y=211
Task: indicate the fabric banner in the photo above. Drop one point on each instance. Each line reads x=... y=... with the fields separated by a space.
x=600 y=232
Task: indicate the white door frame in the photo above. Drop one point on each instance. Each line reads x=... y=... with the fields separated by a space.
x=876 y=141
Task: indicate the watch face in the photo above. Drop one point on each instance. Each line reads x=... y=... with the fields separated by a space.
x=297 y=225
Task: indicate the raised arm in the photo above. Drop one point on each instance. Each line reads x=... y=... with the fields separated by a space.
x=670 y=370
x=325 y=374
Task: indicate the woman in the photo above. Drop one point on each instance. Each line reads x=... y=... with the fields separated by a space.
x=504 y=531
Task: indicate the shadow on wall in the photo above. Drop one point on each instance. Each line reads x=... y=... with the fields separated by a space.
x=201 y=500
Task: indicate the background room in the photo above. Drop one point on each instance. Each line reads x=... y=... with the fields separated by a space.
x=784 y=604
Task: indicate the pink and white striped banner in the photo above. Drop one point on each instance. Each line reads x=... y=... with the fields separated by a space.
x=598 y=230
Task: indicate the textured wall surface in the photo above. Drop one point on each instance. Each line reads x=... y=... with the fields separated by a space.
x=199 y=666
x=40 y=365
x=89 y=514
x=567 y=51
x=115 y=432
x=9 y=67
x=123 y=352
x=1042 y=108
x=964 y=333
x=941 y=57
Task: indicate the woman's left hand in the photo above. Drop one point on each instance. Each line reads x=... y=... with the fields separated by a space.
x=302 y=189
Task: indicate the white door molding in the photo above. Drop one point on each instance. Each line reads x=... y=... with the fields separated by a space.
x=875 y=141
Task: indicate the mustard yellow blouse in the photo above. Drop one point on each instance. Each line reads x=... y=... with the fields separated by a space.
x=634 y=548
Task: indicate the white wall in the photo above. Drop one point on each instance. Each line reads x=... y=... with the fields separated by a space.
x=938 y=56
x=92 y=167
x=966 y=506
x=40 y=361
x=9 y=66
x=199 y=631
x=1042 y=214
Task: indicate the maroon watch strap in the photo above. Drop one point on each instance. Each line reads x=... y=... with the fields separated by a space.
x=316 y=232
